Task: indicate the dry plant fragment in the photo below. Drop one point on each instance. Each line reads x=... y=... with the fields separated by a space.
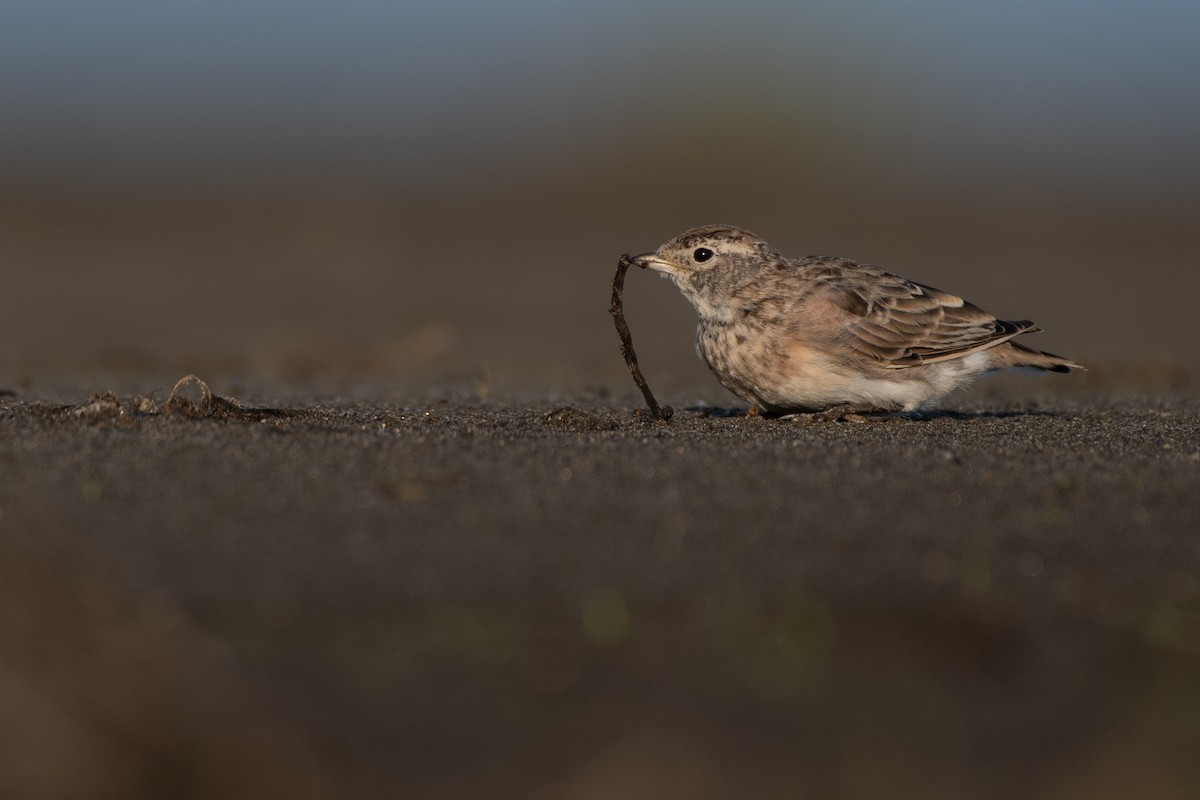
x=176 y=403
x=104 y=405
x=618 y=314
x=107 y=406
x=213 y=406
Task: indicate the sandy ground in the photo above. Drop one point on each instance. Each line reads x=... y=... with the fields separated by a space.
x=550 y=597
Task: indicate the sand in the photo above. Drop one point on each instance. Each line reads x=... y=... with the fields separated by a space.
x=558 y=598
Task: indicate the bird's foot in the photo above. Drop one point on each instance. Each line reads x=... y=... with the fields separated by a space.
x=843 y=413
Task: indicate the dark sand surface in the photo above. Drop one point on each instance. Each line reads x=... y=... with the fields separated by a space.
x=549 y=597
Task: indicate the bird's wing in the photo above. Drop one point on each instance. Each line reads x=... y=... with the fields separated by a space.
x=904 y=324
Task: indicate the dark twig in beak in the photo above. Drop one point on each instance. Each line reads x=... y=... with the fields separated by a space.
x=657 y=411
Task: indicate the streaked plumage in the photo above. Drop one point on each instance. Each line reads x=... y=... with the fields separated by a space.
x=819 y=332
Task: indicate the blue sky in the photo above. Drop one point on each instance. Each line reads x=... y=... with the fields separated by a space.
x=1053 y=80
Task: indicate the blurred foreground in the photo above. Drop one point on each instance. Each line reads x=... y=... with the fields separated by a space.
x=447 y=600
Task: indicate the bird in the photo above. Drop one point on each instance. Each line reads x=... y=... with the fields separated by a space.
x=824 y=334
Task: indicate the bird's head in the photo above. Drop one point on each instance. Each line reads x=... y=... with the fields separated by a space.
x=708 y=263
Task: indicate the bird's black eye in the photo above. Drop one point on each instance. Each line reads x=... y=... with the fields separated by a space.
x=702 y=254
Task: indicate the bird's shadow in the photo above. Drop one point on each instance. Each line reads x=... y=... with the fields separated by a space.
x=879 y=416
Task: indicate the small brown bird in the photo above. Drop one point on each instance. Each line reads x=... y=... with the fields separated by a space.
x=820 y=332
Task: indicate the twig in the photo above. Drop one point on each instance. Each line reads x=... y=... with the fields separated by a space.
x=618 y=314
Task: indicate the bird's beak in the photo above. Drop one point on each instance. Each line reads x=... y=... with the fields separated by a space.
x=652 y=261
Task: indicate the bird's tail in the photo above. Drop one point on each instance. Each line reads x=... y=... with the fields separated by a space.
x=1012 y=354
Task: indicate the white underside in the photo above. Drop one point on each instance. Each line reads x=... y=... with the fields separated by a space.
x=834 y=386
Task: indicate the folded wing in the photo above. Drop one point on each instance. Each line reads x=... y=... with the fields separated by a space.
x=904 y=324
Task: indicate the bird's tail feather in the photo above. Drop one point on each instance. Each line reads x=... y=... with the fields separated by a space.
x=1018 y=355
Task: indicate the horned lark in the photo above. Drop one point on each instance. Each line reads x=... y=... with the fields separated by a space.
x=816 y=333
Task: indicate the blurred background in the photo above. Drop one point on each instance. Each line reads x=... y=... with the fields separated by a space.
x=425 y=191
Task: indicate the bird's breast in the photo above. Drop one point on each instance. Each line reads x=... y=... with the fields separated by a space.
x=747 y=358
